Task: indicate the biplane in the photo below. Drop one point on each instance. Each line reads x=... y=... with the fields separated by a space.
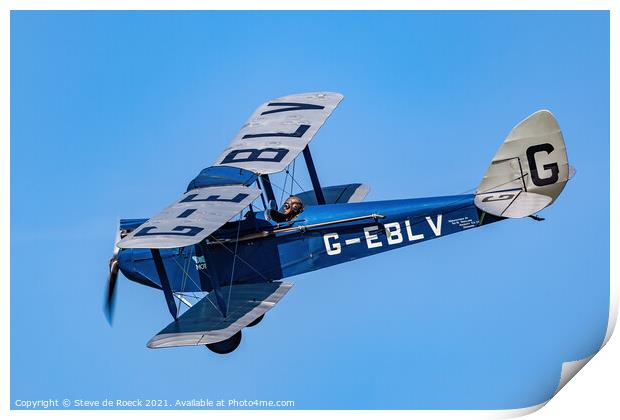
x=219 y=254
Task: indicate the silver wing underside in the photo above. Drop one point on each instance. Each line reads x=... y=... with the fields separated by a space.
x=192 y=218
x=278 y=131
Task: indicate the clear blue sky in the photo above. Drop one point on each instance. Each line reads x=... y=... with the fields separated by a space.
x=113 y=113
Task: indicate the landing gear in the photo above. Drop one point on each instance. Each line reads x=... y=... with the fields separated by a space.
x=230 y=344
x=256 y=321
x=226 y=346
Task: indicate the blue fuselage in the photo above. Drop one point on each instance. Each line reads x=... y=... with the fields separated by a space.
x=311 y=242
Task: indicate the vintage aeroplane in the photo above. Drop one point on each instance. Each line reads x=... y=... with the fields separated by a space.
x=213 y=244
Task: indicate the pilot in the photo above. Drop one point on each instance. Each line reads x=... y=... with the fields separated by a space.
x=292 y=207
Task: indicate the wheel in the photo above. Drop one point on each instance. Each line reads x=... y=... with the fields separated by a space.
x=256 y=321
x=226 y=346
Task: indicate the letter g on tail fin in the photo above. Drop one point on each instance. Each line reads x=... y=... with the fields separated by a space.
x=528 y=172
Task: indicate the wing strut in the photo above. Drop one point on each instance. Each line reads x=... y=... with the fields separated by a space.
x=165 y=284
x=318 y=192
x=267 y=189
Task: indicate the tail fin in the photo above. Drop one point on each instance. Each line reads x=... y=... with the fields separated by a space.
x=528 y=172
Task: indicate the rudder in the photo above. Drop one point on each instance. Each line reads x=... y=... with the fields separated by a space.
x=528 y=172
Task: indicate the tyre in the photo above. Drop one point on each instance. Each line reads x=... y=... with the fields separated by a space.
x=226 y=346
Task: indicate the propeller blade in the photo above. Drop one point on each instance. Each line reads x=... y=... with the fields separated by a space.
x=113 y=268
x=112 y=277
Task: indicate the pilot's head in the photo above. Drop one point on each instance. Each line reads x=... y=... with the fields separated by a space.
x=292 y=207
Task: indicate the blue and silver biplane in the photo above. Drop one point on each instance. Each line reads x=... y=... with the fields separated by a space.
x=220 y=252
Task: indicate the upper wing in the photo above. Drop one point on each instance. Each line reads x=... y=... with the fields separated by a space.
x=278 y=131
x=269 y=141
x=196 y=215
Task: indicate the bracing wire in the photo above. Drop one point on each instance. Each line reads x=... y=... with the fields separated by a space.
x=232 y=272
x=293 y=176
x=186 y=273
x=294 y=180
x=192 y=279
x=239 y=258
x=282 y=189
x=285 y=180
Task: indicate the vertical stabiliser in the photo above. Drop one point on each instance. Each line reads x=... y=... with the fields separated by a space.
x=528 y=172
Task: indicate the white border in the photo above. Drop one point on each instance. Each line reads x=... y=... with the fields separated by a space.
x=569 y=369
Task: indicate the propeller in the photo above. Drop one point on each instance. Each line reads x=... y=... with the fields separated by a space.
x=112 y=277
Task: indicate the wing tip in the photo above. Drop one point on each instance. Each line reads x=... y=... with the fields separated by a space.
x=317 y=95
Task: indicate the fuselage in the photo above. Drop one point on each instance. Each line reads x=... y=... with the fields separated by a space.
x=256 y=250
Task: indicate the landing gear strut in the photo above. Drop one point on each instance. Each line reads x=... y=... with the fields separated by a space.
x=226 y=346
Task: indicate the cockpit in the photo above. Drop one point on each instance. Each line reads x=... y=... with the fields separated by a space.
x=292 y=207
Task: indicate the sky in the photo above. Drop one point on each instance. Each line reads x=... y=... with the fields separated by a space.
x=113 y=113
